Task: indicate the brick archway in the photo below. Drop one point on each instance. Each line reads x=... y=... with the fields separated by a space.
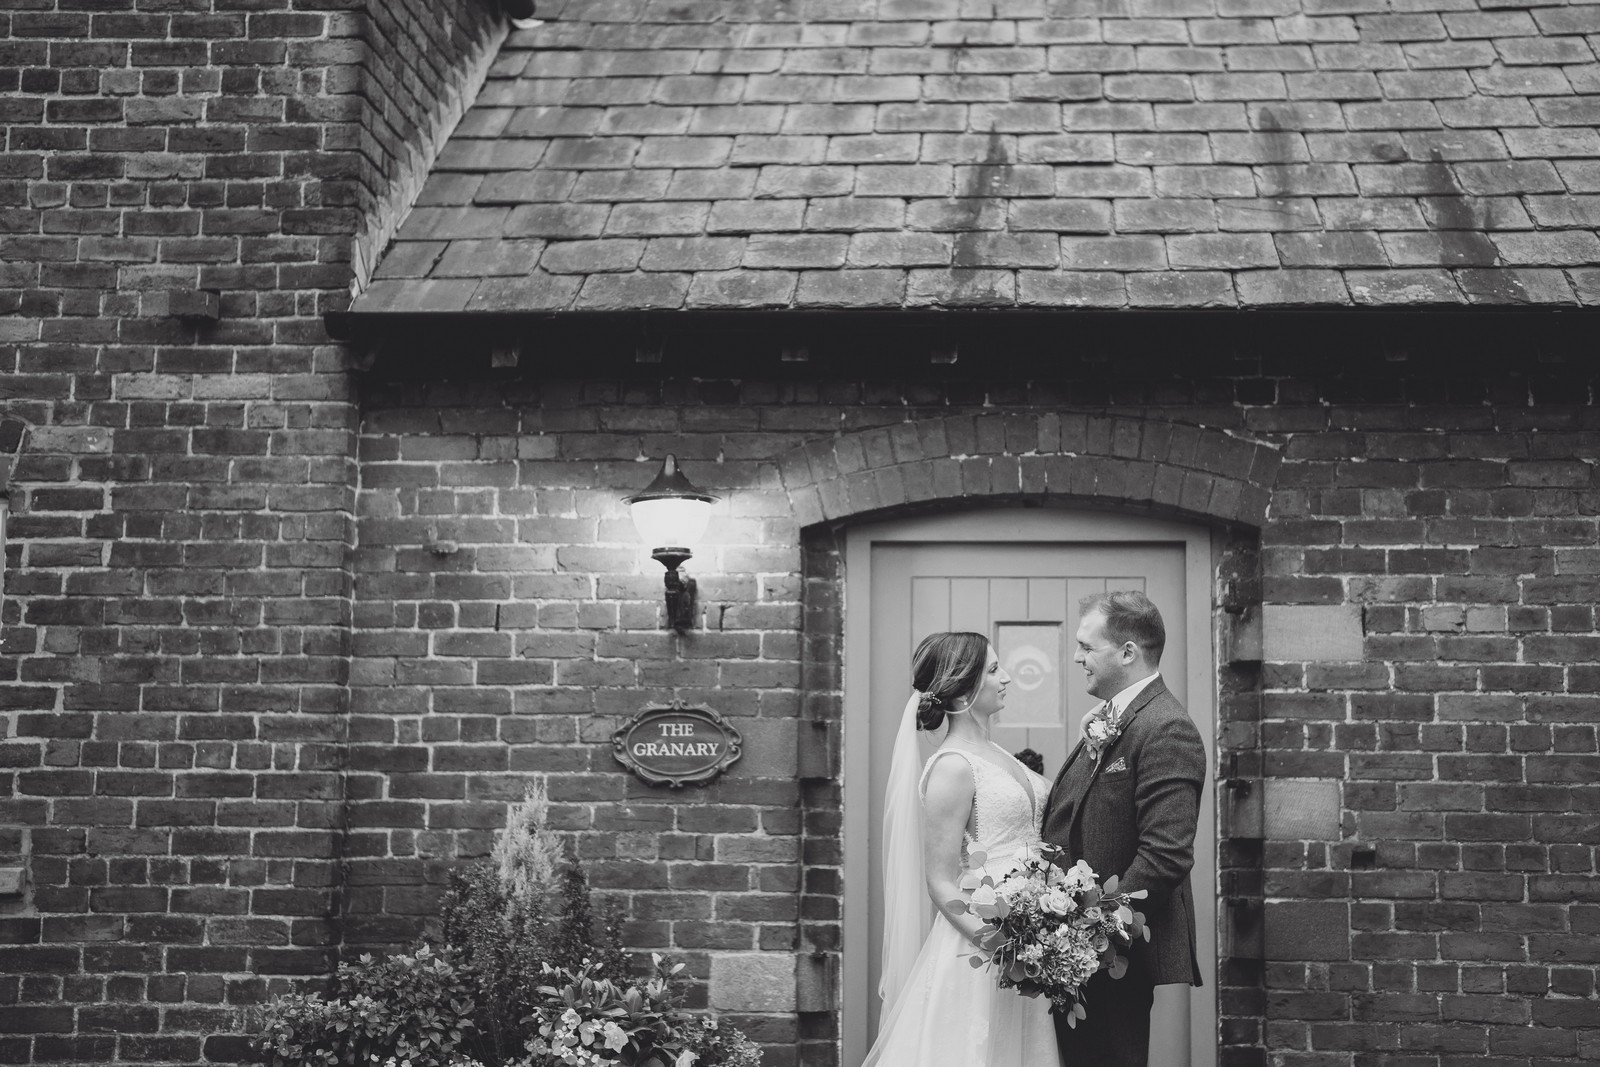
x=1128 y=460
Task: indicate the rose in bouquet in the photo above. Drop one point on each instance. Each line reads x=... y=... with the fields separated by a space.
x=1050 y=927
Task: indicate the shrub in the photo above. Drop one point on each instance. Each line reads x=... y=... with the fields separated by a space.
x=412 y=1009
x=527 y=976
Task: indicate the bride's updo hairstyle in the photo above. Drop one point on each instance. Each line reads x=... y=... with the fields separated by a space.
x=946 y=666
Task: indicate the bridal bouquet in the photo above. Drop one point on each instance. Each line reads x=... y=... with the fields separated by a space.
x=1049 y=927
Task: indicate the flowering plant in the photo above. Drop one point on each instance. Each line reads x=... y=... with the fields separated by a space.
x=715 y=1045
x=587 y=1019
x=1050 y=927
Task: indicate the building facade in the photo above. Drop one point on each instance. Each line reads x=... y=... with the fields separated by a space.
x=336 y=338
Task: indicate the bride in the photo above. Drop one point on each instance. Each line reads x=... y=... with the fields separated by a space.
x=971 y=796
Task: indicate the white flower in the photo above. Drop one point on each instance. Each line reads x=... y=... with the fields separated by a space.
x=1056 y=901
x=685 y=1059
x=984 y=894
x=616 y=1040
x=1080 y=877
x=570 y=1018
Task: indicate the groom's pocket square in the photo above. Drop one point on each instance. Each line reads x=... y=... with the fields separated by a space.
x=1118 y=765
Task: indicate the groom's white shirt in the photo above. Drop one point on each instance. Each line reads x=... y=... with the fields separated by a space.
x=1120 y=702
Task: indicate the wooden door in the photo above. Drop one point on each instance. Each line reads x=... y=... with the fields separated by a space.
x=1022 y=592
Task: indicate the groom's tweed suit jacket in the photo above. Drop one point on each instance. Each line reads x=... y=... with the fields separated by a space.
x=1139 y=823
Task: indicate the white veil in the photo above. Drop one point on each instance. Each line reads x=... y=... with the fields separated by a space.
x=907 y=911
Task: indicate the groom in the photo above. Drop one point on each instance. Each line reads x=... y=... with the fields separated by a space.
x=1127 y=802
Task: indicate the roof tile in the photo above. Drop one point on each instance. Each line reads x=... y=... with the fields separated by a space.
x=623 y=292
x=1272 y=214
x=1220 y=251
x=650 y=220
x=1197 y=289
x=1290 y=287
x=851 y=288
x=488 y=259
x=1515 y=286
x=998 y=153
x=589 y=257
x=949 y=214
x=1165 y=216
x=534 y=292
x=794 y=251
x=1007 y=250
x=692 y=253
x=1124 y=253
x=1041 y=288
x=901 y=250
x=742 y=289
x=609 y=186
x=960 y=287
x=1586 y=283
x=1061 y=216
x=1333 y=249
x=855 y=214
x=524 y=187
x=1403 y=287
x=553 y=220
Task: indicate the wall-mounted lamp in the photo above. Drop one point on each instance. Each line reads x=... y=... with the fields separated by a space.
x=671 y=514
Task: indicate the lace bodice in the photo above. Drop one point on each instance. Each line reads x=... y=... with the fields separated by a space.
x=1006 y=816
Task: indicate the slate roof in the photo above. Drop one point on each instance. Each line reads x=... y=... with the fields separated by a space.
x=633 y=154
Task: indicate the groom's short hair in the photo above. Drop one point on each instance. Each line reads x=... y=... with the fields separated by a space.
x=1130 y=616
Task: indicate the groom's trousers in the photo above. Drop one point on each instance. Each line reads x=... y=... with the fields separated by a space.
x=1117 y=1031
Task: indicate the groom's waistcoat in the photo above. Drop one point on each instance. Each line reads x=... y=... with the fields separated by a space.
x=1133 y=813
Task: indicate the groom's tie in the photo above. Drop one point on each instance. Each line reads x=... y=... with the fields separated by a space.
x=1101 y=714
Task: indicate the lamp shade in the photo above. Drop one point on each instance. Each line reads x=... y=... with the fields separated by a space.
x=671 y=512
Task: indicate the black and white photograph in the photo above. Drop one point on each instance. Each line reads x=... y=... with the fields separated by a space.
x=799 y=533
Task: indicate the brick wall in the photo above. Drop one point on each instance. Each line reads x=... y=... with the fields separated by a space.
x=1425 y=573
x=179 y=195
x=420 y=66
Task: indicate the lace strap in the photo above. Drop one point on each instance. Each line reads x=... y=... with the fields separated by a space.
x=972 y=765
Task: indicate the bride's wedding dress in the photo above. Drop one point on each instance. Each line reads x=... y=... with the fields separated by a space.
x=950 y=1012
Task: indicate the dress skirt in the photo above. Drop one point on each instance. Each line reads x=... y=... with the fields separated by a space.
x=952 y=1013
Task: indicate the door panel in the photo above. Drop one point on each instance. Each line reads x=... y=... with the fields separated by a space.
x=1023 y=594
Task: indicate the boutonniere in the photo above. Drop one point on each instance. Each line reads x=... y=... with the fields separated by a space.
x=1100 y=733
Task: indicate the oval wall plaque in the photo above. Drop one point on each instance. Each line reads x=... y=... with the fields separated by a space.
x=675 y=744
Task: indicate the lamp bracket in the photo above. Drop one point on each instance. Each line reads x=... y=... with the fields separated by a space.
x=680 y=588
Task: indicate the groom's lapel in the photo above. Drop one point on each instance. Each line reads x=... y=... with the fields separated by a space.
x=1147 y=694
x=1136 y=705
